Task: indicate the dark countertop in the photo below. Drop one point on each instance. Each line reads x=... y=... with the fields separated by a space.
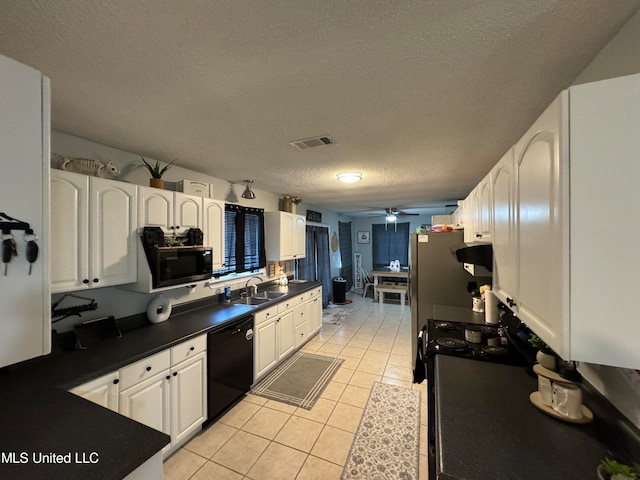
x=457 y=314
x=486 y=427
x=38 y=415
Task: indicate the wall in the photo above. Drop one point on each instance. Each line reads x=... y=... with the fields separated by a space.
x=619 y=57
x=120 y=302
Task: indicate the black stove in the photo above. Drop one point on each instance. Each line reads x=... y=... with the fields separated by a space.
x=475 y=341
x=469 y=340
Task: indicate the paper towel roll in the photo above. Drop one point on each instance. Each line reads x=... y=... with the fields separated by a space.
x=159 y=309
x=490 y=308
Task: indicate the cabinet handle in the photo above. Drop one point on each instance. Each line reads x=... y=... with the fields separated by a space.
x=511 y=302
x=95 y=280
x=148 y=369
x=168 y=377
x=478 y=235
x=85 y=281
x=116 y=381
x=192 y=348
x=175 y=374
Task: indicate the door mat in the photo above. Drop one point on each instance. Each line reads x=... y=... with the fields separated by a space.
x=388 y=438
x=300 y=380
x=335 y=315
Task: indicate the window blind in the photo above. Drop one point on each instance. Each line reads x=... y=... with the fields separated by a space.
x=243 y=239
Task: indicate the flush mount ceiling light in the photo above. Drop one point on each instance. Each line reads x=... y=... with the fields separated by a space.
x=349 y=177
x=248 y=193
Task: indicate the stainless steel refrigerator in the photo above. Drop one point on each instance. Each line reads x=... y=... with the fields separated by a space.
x=435 y=277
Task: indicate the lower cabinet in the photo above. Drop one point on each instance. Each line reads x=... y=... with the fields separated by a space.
x=283 y=328
x=102 y=391
x=166 y=391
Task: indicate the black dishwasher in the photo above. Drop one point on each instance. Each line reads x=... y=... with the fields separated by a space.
x=229 y=365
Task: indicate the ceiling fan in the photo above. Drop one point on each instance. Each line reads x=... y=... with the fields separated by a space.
x=392 y=213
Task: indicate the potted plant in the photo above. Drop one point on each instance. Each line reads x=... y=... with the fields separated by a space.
x=545 y=356
x=612 y=470
x=156 y=172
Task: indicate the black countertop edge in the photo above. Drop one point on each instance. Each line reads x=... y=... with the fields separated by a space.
x=38 y=415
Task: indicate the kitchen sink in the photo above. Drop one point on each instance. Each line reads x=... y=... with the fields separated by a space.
x=252 y=301
x=269 y=294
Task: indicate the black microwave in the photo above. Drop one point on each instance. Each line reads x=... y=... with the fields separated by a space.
x=180 y=265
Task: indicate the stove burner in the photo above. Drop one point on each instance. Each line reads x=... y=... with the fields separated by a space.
x=445 y=326
x=452 y=344
x=494 y=351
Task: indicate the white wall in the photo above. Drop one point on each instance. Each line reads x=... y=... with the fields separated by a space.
x=618 y=58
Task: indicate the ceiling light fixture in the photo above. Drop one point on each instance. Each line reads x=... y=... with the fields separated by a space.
x=349 y=177
x=248 y=193
x=391 y=218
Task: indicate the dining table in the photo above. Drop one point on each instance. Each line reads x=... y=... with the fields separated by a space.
x=402 y=277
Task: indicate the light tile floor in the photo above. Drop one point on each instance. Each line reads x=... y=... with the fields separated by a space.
x=262 y=439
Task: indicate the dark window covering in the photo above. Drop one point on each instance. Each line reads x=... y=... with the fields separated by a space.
x=346 y=255
x=389 y=244
x=243 y=239
x=316 y=264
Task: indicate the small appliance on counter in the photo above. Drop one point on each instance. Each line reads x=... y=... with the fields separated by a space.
x=176 y=260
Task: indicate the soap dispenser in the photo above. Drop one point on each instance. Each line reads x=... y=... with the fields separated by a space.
x=283 y=278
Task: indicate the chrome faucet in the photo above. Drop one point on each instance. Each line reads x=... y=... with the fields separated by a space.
x=254 y=288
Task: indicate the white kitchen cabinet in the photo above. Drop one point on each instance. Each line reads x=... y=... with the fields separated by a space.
x=505 y=270
x=213 y=227
x=484 y=210
x=102 y=391
x=285 y=236
x=172 y=211
x=542 y=226
x=93 y=223
x=275 y=336
x=188 y=398
x=302 y=316
x=316 y=311
x=472 y=216
x=148 y=402
x=168 y=391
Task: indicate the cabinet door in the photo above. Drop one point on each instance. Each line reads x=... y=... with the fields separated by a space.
x=155 y=207
x=484 y=210
x=472 y=212
x=113 y=220
x=102 y=391
x=265 y=347
x=301 y=333
x=187 y=211
x=505 y=269
x=286 y=334
x=299 y=236
x=542 y=226
x=316 y=314
x=214 y=230
x=188 y=397
x=287 y=240
x=69 y=231
x=148 y=402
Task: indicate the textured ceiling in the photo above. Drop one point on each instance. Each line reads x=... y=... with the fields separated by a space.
x=422 y=97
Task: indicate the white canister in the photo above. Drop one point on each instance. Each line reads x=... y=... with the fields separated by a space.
x=490 y=308
x=567 y=400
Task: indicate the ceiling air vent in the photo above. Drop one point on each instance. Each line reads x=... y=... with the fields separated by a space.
x=312 y=142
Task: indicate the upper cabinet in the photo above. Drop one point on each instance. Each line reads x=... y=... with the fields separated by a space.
x=567 y=276
x=477 y=212
x=284 y=236
x=542 y=165
x=213 y=221
x=93 y=224
x=168 y=210
x=504 y=229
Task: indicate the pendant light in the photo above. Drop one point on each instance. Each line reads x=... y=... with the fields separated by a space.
x=248 y=193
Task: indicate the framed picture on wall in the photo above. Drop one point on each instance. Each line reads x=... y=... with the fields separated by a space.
x=363 y=237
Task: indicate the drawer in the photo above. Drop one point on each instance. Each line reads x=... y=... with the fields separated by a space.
x=317 y=292
x=145 y=368
x=264 y=315
x=188 y=349
x=287 y=304
x=302 y=298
